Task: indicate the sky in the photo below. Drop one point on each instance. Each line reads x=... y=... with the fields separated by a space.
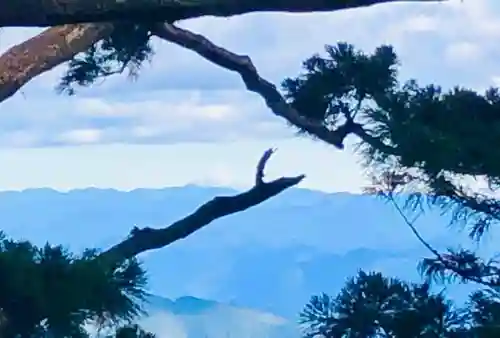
x=187 y=121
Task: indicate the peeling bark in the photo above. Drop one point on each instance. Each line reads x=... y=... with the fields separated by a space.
x=42 y=13
x=142 y=240
x=56 y=45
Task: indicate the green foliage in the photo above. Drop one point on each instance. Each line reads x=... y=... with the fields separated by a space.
x=484 y=314
x=131 y=331
x=421 y=140
x=371 y=305
x=125 y=49
x=333 y=88
x=48 y=292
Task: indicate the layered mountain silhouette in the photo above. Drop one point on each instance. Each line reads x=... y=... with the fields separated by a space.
x=271 y=258
x=199 y=318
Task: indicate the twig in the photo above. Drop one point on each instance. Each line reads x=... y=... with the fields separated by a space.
x=439 y=257
x=141 y=240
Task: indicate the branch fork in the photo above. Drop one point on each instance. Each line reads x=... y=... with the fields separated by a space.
x=146 y=239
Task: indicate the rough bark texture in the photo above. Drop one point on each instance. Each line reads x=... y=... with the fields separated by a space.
x=142 y=240
x=58 y=12
x=56 y=45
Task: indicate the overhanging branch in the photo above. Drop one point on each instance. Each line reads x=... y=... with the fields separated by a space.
x=243 y=65
x=141 y=240
x=41 y=13
x=56 y=45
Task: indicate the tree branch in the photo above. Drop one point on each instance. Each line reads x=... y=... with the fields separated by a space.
x=243 y=65
x=141 y=240
x=58 y=12
x=37 y=55
x=442 y=259
x=54 y=46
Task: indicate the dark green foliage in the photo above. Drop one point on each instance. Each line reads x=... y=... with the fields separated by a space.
x=131 y=331
x=484 y=314
x=126 y=49
x=371 y=305
x=47 y=291
x=422 y=140
x=333 y=88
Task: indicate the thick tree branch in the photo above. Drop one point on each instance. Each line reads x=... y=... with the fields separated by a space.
x=243 y=65
x=56 y=45
x=141 y=240
x=58 y=12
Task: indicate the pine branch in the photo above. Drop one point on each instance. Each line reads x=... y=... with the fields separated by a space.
x=243 y=65
x=142 y=240
x=446 y=262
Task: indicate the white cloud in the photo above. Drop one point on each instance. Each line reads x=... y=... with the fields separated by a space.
x=98 y=107
x=421 y=23
x=495 y=80
x=461 y=53
x=81 y=136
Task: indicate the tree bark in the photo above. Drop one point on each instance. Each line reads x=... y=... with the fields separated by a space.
x=42 y=13
x=142 y=240
x=56 y=45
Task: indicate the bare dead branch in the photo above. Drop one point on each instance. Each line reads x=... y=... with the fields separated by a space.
x=141 y=240
x=243 y=65
x=43 y=13
x=259 y=177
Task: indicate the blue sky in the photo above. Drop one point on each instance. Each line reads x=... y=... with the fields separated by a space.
x=185 y=120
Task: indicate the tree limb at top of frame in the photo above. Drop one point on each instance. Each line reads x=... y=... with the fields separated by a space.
x=142 y=240
x=41 y=13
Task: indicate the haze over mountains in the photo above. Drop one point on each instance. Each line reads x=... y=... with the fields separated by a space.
x=198 y=318
x=271 y=258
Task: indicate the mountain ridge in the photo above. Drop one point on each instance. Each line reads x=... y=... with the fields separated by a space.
x=301 y=242
x=194 y=317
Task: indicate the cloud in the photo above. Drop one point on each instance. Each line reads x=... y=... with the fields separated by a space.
x=81 y=136
x=461 y=53
x=181 y=97
x=160 y=117
x=127 y=167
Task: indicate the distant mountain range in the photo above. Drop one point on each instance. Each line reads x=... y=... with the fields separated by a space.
x=198 y=318
x=272 y=257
